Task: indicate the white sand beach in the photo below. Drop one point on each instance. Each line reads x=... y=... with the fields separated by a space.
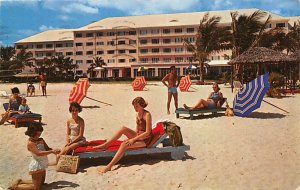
x=261 y=151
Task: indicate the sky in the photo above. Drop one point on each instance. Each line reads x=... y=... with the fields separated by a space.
x=22 y=18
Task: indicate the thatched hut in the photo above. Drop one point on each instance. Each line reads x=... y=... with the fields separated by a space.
x=259 y=60
x=296 y=56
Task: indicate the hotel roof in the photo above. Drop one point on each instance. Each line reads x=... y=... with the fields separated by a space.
x=167 y=20
x=50 y=36
x=293 y=19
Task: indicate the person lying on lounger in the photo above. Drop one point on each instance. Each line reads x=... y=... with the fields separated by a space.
x=75 y=130
x=212 y=101
x=139 y=138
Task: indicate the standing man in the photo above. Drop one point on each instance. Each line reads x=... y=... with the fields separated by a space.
x=173 y=83
x=43 y=78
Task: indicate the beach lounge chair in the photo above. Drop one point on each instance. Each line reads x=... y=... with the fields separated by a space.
x=3 y=94
x=160 y=137
x=21 y=118
x=201 y=111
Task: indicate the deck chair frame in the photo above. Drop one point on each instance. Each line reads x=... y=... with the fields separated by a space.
x=179 y=111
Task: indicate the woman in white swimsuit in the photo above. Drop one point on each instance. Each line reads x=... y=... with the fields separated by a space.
x=75 y=130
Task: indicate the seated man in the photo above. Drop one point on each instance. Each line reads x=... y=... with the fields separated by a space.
x=213 y=101
x=30 y=89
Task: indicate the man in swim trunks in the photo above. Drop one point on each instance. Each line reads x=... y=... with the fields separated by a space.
x=173 y=83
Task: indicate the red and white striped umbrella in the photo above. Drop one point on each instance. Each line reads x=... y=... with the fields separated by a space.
x=139 y=83
x=185 y=83
x=79 y=90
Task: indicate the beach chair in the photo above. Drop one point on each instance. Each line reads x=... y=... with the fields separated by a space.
x=21 y=118
x=237 y=85
x=159 y=137
x=179 y=111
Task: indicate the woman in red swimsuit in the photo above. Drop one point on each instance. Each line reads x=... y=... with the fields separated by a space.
x=141 y=137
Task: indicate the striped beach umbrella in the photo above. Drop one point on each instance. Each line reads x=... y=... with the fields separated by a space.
x=139 y=83
x=249 y=98
x=79 y=90
x=185 y=83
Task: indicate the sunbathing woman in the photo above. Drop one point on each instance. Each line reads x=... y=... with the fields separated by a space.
x=141 y=137
x=13 y=105
x=37 y=167
x=212 y=101
x=75 y=130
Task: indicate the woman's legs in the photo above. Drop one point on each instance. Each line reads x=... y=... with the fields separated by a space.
x=5 y=117
x=129 y=133
x=201 y=104
x=120 y=154
x=67 y=149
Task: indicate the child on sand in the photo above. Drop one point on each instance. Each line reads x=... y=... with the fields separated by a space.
x=75 y=130
x=37 y=167
x=141 y=137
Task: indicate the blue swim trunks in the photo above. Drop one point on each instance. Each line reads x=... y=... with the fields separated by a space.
x=173 y=90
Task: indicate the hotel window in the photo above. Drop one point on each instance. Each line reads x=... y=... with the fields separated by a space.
x=29 y=47
x=79 y=62
x=67 y=45
x=19 y=46
x=39 y=54
x=178 y=30
x=215 y=57
x=132 y=60
x=78 y=44
x=167 y=50
x=190 y=30
x=179 y=50
x=155 y=50
x=89 y=52
x=39 y=46
x=178 y=40
x=49 y=54
x=166 y=31
x=144 y=60
x=59 y=53
x=122 y=51
x=280 y=25
x=100 y=52
x=79 y=53
x=100 y=43
x=110 y=60
x=155 y=41
x=155 y=60
x=143 y=32
x=144 y=51
x=132 y=42
x=132 y=32
x=78 y=35
x=110 y=51
x=178 y=59
x=269 y=25
x=89 y=44
x=166 y=41
x=89 y=61
x=167 y=59
x=121 y=42
x=99 y=33
x=122 y=33
x=89 y=35
x=132 y=51
x=191 y=39
x=189 y=59
x=122 y=60
x=155 y=31
x=69 y=53
x=111 y=43
x=59 y=45
x=49 y=46
x=110 y=33
x=143 y=41
x=163 y=72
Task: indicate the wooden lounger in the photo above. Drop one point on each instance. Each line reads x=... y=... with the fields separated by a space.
x=200 y=111
x=177 y=153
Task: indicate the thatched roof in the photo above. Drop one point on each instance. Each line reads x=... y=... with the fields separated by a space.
x=261 y=55
x=296 y=55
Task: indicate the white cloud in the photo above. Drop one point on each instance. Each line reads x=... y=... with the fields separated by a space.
x=44 y=28
x=73 y=6
x=1 y=43
x=30 y=3
x=26 y=32
x=64 y=17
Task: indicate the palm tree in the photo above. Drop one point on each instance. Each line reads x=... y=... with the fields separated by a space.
x=64 y=65
x=6 y=56
x=98 y=62
x=210 y=38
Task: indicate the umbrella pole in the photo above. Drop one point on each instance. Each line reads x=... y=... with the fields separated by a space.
x=275 y=106
x=98 y=101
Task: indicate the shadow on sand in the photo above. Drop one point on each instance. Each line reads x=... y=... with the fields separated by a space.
x=129 y=161
x=203 y=116
x=60 y=185
x=261 y=115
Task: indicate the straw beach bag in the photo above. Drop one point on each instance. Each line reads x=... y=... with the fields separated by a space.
x=68 y=164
